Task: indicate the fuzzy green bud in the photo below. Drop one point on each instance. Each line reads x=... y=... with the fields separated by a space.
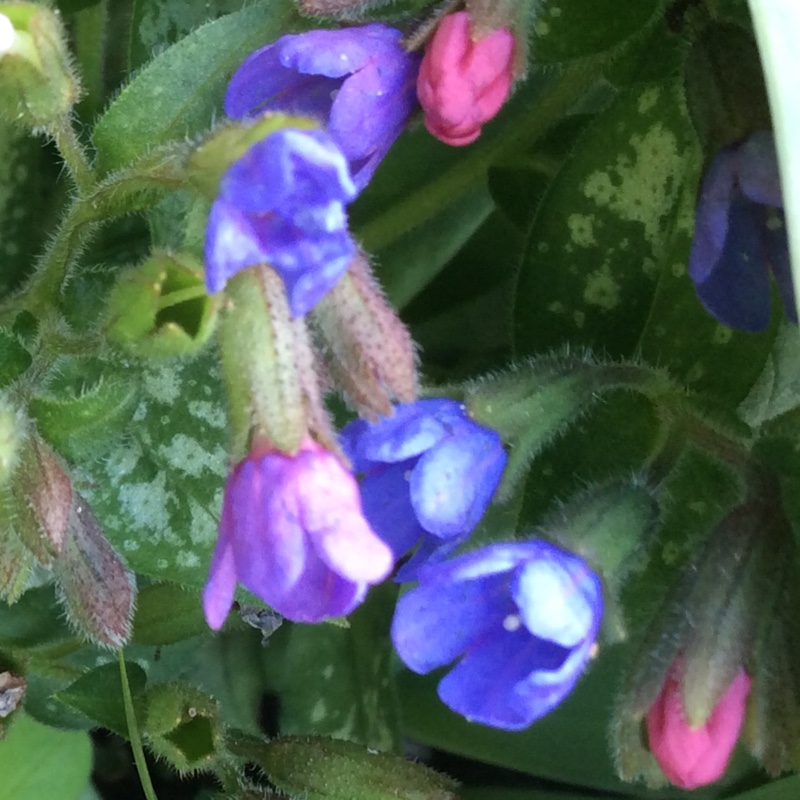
x=95 y=587
x=38 y=86
x=182 y=726
x=369 y=350
x=317 y=768
x=161 y=308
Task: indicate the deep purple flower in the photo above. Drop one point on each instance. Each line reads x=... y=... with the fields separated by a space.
x=740 y=232
x=292 y=532
x=429 y=472
x=522 y=620
x=282 y=203
x=359 y=82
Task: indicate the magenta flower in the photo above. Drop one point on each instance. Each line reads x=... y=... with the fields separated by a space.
x=293 y=534
x=358 y=82
x=740 y=237
x=521 y=621
x=691 y=757
x=463 y=82
x=429 y=473
x=282 y=203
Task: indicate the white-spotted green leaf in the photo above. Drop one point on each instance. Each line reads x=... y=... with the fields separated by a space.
x=158 y=493
x=598 y=242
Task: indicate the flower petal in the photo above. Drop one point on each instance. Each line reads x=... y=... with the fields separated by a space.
x=556 y=603
x=436 y=622
x=483 y=686
x=232 y=244
x=711 y=219
x=319 y=594
x=736 y=289
x=270 y=544
x=221 y=584
x=333 y=519
x=263 y=83
x=759 y=177
x=453 y=483
x=387 y=507
x=546 y=687
x=411 y=430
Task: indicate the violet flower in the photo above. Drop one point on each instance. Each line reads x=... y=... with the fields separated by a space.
x=359 y=82
x=520 y=618
x=740 y=233
x=282 y=203
x=429 y=472
x=293 y=534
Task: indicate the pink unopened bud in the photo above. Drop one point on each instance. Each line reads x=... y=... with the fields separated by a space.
x=463 y=82
x=691 y=757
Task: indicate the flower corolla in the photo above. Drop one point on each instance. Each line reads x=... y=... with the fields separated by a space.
x=282 y=203
x=521 y=619
x=359 y=82
x=740 y=234
x=428 y=474
x=293 y=534
x=691 y=757
x=463 y=82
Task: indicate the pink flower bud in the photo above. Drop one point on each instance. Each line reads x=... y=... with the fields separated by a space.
x=691 y=757
x=462 y=83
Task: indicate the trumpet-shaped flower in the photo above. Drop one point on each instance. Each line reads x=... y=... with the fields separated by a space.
x=740 y=235
x=292 y=532
x=282 y=203
x=359 y=82
x=521 y=621
x=692 y=757
x=464 y=82
x=429 y=472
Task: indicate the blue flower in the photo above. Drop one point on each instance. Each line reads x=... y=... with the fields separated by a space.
x=282 y=203
x=521 y=618
x=740 y=232
x=292 y=532
x=429 y=472
x=359 y=82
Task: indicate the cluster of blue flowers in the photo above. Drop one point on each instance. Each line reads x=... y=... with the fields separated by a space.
x=520 y=619
x=283 y=202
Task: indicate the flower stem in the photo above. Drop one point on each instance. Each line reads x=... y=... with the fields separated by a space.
x=133 y=733
x=74 y=155
x=133 y=189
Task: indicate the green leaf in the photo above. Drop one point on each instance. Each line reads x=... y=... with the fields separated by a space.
x=42 y=762
x=14 y=358
x=180 y=92
x=35 y=619
x=785 y=789
x=98 y=695
x=28 y=199
x=166 y=613
x=337 y=681
x=567 y=29
x=157 y=24
x=80 y=415
x=158 y=492
x=599 y=240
